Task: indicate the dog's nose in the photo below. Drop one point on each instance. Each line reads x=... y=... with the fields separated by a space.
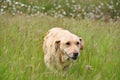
x=75 y=55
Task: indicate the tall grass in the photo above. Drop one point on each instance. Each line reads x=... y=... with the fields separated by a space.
x=21 y=54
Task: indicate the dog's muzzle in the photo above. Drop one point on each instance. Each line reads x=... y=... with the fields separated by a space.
x=74 y=57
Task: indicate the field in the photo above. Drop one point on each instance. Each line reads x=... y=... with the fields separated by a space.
x=21 y=54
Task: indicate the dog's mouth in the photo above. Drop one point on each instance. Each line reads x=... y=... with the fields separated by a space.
x=74 y=58
x=71 y=57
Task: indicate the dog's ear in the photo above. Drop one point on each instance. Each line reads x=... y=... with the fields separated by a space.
x=81 y=43
x=57 y=45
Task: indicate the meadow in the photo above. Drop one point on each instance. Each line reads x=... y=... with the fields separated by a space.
x=21 y=54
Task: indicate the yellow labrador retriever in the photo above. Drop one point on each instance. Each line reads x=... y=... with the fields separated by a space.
x=60 y=48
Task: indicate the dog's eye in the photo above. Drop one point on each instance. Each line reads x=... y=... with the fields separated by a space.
x=68 y=43
x=77 y=43
x=80 y=39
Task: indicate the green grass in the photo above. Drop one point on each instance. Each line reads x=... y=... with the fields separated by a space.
x=21 y=54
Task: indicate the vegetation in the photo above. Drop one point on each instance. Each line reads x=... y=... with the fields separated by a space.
x=93 y=9
x=24 y=23
x=21 y=54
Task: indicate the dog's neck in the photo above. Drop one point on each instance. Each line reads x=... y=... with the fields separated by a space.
x=63 y=59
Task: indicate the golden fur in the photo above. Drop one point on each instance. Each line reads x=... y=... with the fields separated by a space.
x=59 y=47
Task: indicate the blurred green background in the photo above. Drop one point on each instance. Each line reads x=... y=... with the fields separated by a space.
x=24 y=23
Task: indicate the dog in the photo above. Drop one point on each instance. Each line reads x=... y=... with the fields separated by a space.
x=61 y=48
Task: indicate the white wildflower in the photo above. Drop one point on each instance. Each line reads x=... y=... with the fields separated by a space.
x=59 y=6
x=4 y=6
x=99 y=6
x=102 y=4
x=43 y=8
x=22 y=5
x=64 y=13
x=73 y=1
x=8 y=0
x=16 y=2
x=110 y=7
x=1 y=10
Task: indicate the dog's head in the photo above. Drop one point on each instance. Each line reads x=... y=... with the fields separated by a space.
x=70 y=47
